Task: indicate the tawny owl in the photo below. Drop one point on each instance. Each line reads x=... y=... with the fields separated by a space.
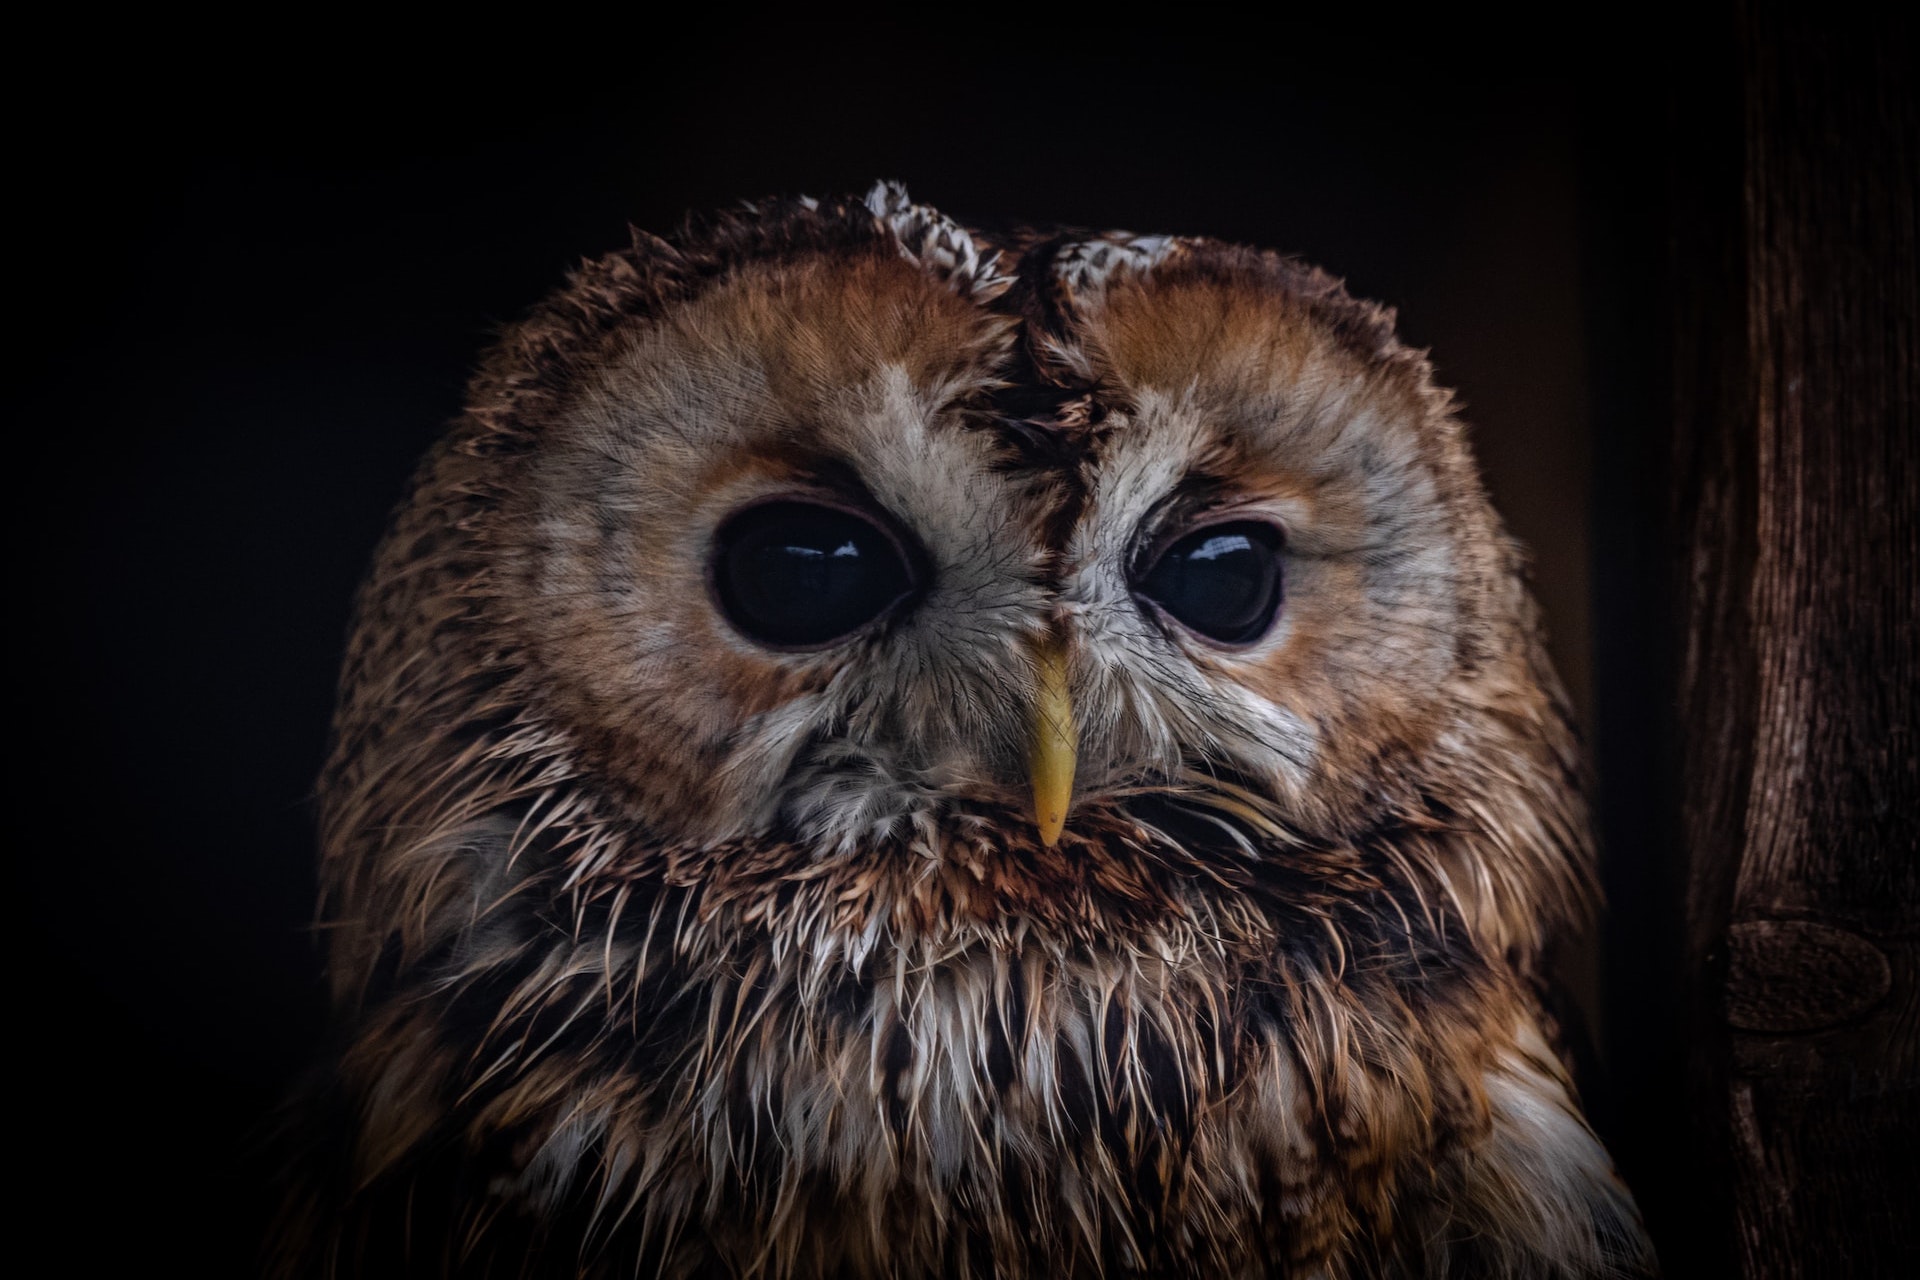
x=871 y=752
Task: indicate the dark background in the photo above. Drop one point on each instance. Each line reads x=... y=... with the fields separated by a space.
x=250 y=288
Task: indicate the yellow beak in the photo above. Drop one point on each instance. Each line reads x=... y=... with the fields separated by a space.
x=1053 y=744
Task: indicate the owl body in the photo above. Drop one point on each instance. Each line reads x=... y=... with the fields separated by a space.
x=694 y=905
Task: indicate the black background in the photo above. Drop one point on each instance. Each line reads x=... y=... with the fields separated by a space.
x=253 y=277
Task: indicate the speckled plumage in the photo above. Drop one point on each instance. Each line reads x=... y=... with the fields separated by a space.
x=655 y=952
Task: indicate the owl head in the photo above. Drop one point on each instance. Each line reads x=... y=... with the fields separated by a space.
x=832 y=535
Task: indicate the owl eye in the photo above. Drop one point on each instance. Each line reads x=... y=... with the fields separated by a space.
x=798 y=574
x=1222 y=581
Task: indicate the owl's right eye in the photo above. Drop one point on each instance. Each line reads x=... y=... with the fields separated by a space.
x=796 y=575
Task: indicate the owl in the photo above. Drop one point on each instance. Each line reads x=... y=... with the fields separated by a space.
x=876 y=751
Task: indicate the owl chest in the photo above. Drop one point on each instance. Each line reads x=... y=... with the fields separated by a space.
x=997 y=1116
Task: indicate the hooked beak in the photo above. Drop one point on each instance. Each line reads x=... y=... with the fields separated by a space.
x=1052 y=743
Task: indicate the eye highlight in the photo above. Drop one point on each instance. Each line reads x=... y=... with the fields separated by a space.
x=1221 y=581
x=795 y=574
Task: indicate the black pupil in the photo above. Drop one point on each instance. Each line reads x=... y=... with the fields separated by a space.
x=795 y=573
x=1222 y=580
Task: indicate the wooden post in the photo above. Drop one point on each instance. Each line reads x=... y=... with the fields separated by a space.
x=1797 y=483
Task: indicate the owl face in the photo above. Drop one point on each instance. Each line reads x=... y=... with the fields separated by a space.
x=1234 y=565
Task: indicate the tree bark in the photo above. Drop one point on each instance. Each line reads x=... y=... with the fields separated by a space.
x=1797 y=484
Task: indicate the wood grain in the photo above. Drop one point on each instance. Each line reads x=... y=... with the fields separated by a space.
x=1798 y=490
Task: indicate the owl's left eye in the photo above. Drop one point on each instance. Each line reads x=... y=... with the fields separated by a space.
x=799 y=574
x=1222 y=581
